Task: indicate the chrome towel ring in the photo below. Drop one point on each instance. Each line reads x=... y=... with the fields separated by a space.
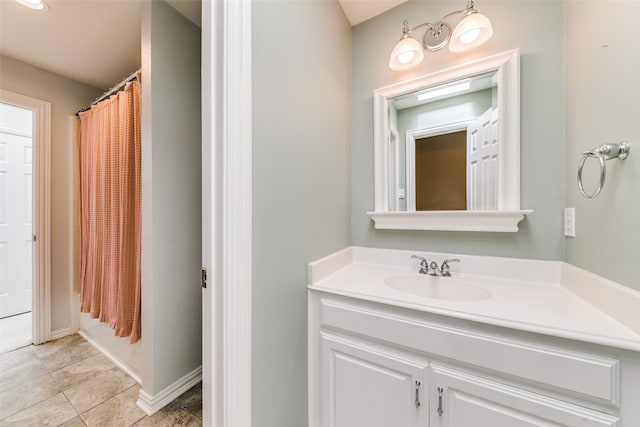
x=602 y=153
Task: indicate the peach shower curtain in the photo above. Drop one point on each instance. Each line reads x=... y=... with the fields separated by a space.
x=109 y=159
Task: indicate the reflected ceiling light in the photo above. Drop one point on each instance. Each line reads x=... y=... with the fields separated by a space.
x=447 y=90
x=473 y=30
x=34 y=4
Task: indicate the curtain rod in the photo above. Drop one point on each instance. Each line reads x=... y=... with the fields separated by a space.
x=133 y=76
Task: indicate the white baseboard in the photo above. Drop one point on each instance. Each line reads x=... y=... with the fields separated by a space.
x=152 y=404
x=59 y=333
x=126 y=368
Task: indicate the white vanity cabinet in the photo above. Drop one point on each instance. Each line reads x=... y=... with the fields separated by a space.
x=373 y=364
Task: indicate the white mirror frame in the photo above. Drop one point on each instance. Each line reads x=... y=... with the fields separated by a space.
x=508 y=214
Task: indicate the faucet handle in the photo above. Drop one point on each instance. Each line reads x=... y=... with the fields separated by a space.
x=423 y=259
x=424 y=265
x=445 y=266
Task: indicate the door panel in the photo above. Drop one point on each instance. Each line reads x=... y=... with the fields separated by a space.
x=468 y=410
x=470 y=401
x=16 y=221
x=482 y=162
x=368 y=387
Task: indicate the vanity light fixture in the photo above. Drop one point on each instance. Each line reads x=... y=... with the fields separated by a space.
x=474 y=29
x=34 y=4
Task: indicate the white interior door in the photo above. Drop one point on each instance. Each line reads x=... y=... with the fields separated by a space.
x=16 y=209
x=482 y=162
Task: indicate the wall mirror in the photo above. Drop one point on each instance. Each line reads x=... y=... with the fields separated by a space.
x=447 y=149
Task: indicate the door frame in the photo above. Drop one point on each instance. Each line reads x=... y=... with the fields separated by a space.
x=227 y=213
x=41 y=267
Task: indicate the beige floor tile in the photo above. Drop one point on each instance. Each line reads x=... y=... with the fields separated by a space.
x=51 y=347
x=51 y=412
x=119 y=411
x=82 y=371
x=191 y=401
x=103 y=394
x=98 y=389
x=170 y=419
x=27 y=394
x=21 y=373
x=17 y=357
x=66 y=341
x=76 y=422
x=65 y=356
x=15 y=332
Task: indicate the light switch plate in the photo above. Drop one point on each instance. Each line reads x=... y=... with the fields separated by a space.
x=570 y=222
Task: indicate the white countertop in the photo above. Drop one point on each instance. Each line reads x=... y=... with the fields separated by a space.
x=528 y=295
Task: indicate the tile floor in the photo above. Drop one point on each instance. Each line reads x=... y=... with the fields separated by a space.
x=15 y=332
x=67 y=382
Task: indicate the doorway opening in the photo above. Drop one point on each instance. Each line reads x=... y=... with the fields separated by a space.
x=441 y=159
x=24 y=221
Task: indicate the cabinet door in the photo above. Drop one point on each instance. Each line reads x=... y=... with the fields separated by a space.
x=459 y=399
x=367 y=386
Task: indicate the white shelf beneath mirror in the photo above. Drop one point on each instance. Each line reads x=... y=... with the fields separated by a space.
x=488 y=221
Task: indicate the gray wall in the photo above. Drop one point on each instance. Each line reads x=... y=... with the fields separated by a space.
x=171 y=197
x=516 y=25
x=301 y=95
x=66 y=97
x=602 y=106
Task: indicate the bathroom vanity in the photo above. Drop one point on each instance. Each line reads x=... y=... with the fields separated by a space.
x=501 y=343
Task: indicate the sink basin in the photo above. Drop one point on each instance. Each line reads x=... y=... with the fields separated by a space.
x=445 y=288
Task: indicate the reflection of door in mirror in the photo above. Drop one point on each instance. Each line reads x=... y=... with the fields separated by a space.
x=441 y=175
x=482 y=169
x=454 y=167
x=442 y=116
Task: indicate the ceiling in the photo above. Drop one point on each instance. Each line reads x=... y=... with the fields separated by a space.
x=358 y=11
x=97 y=42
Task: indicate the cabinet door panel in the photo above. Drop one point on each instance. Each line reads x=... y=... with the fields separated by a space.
x=471 y=401
x=366 y=386
x=469 y=410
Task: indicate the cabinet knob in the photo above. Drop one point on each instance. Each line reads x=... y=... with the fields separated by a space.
x=440 y=411
x=417 y=394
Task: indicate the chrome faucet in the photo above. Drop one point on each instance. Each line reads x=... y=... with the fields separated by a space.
x=433 y=269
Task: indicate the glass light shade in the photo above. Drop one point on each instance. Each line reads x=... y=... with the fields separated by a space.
x=34 y=4
x=407 y=54
x=473 y=30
